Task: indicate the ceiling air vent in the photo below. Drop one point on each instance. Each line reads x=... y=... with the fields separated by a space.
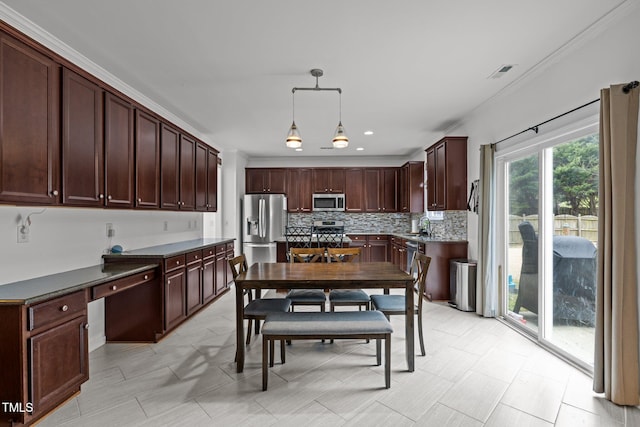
x=501 y=71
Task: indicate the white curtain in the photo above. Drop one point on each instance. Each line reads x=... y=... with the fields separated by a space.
x=487 y=286
x=616 y=371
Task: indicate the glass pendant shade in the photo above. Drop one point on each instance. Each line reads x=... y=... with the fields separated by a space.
x=340 y=139
x=294 y=140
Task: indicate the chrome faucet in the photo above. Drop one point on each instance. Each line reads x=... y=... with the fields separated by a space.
x=425 y=226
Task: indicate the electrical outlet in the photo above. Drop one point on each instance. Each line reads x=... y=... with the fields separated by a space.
x=166 y=226
x=189 y=225
x=110 y=230
x=23 y=234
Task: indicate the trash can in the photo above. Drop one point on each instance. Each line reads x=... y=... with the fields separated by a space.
x=462 y=284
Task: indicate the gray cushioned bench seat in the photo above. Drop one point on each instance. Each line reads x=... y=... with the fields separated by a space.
x=327 y=325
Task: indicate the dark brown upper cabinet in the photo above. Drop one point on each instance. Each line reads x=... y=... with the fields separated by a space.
x=354 y=190
x=147 y=161
x=411 y=187
x=187 y=173
x=447 y=174
x=118 y=153
x=82 y=141
x=212 y=180
x=380 y=189
x=299 y=190
x=169 y=167
x=259 y=180
x=201 y=177
x=29 y=125
x=328 y=181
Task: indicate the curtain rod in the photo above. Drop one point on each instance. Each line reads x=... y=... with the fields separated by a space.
x=626 y=89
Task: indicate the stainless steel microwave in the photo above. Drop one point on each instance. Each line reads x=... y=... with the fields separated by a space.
x=328 y=202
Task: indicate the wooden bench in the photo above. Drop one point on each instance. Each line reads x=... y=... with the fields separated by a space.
x=326 y=325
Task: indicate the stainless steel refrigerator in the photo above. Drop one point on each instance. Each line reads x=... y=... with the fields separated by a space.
x=265 y=218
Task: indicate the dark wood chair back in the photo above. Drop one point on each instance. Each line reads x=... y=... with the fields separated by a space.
x=342 y=254
x=306 y=255
x=419 y=269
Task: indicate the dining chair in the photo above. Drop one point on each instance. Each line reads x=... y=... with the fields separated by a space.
x=396 y=304
x=257 y=308
x=346 y=297
x=297 y=237
x=306 y=296
x=329 y=237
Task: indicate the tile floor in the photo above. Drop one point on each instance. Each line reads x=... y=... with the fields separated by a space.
x=477 y=372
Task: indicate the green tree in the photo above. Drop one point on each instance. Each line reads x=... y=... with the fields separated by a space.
x=523 y=186
x=575 y=176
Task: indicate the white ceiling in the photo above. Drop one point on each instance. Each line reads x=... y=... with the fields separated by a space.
x=408 y=69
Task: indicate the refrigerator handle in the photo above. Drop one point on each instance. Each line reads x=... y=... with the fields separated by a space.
x=262 y=218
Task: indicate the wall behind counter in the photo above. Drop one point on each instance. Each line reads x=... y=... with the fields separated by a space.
x=62 y=239
x=453 y=226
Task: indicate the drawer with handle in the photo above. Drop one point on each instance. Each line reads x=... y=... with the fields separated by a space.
x=174 y=262
x=57 y=309
x=115 y=286
x=194 y=256
x=208 y=252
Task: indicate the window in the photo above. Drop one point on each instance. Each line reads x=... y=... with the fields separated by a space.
x=548 y=211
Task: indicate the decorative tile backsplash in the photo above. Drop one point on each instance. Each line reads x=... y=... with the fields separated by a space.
x=453 y=226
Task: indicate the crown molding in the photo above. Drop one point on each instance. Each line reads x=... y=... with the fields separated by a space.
x=56 y=45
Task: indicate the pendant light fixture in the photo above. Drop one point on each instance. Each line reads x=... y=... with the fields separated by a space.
x=340 y=139
x=294 y=140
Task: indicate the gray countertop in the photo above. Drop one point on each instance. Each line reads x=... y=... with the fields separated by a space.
x=415 y=237
x=170 y=249
x=42 y=288
x=345 y=239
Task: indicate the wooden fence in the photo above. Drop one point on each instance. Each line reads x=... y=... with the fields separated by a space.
x=569 y=225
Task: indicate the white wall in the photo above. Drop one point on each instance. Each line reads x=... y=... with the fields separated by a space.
x=63 y=239
x=337 y=161
x=233 y=164
x=604 y=55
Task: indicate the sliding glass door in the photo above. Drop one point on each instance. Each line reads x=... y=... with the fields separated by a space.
x=549 y=240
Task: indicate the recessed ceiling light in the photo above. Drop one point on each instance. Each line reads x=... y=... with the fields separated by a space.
x=359 y=149
x=368 y=132
x=298 y=149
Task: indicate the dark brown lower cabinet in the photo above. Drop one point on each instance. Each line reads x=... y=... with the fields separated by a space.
x=208 y=279
x=194 y=286
x=58 y=363
x=44 y=356
x=230 y=253
x=374 y=247
x=439 y=271
x=221 y=269
x=175 y=309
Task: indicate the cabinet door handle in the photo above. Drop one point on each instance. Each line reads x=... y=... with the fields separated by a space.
x=146 y=277
x=86 y=326
x=64 y=308
x=100 y=196
x=139 y=200
x=54 y=193
x=168 y=282
x=109 y=197
x=114 y=287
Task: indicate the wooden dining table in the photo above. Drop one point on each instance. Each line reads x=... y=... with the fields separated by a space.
x=365 y=275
